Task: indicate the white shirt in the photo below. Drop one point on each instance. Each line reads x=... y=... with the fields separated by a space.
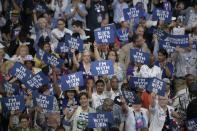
x=182 y=98
x=56 y=34
x=147 y=72
x=130 y=120
x=97 y=99
x=158 y=117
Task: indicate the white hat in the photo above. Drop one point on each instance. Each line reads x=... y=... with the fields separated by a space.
x=29 y=58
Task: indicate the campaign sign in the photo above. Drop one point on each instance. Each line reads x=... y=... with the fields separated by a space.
x=129 y=96
x=75 y=43
x=12 y=88
x=43 y=101
x=20 y=72
x=14 y=103
x=163 y=15
x=39 y=53
x=105 y=35
x=37 y=81
x=157 y=86
x=52 y=60
x=130 y=13
x=99 y=120
x=138 y=56
x=62 y=47
x=138 y=82
x=103 y=67
x=72 y=80
x=192 y=124
x=165 y=44
x=161 y=34
x=179 y=40
x=123 y=35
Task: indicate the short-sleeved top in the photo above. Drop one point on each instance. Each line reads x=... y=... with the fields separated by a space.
x=96 y=13
x=169 y=65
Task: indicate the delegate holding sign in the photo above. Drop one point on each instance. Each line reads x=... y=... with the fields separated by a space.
x=37 y=81
x=45 y=102
x=13 y=103
x=105 y=35
x=157 y=86
x=99 y=120
x=103 y=67
x=72 y=80
x=20 y=72
x=163 y=15
x=138 y=56
x=130 y=13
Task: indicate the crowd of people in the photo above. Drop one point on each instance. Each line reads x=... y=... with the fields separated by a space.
x=27 y=26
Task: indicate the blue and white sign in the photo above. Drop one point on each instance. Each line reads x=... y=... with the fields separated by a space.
x=129 y=96
x=74 y=43
x=13 y=103
x=172 y=41
x=164 y=15
x=45 y=102
x=37 y=81
x=130 y=13
x=138 y=56
x=105 y=35
x=39 y=53
x=72 y=80
x=161 y=34
x=12 y=88
x=103 y=67
x=157 y=86
x=192 y=124
x=62 y=47
x=99 y=120
x=52 y=60
x=20 y=72
x=179 y=40
x=138 y=82
x=165 y=44
x=123 y=35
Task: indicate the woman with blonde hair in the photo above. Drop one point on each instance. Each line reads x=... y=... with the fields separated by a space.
x=21 y=52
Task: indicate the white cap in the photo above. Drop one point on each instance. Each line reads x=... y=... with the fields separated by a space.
x=29 y=58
